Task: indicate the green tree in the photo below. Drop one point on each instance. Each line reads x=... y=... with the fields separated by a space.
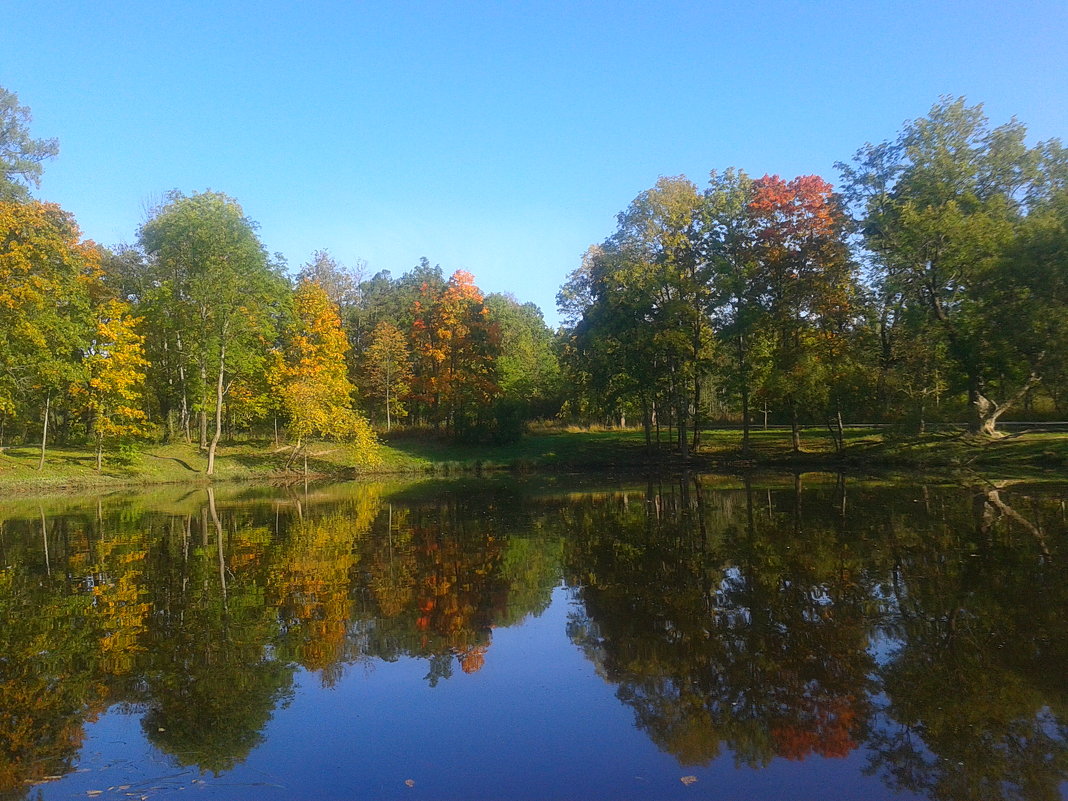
x=940 y=207
x=727 y=242
x=528 y=370
x=219 y=289
x=20 y=154
x=646 y=304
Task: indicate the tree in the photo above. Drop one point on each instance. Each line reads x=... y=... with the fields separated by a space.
x=939 y=209
x=1031 y=298
x=727 y=242
x=456 y=347
x=341 y=283
x=807 y=287
x=655 y=239
x=389 y=369
x=219 y=290
x=20 y=155
x=527 y=367
x=316 y=391
x=115 y=367
x=47 y=278
x=646 y=298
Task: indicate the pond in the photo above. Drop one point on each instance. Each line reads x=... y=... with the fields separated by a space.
x=768 y=637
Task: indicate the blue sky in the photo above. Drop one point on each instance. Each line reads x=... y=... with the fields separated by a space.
x=497 y=137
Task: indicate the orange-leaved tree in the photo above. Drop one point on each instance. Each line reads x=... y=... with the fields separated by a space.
x=316 y=392
x=808 y=286
x=456 y=346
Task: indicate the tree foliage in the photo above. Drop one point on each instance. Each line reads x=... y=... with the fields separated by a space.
x=389 y=370
x=221 y=293
x=115 y=367
x=941 y=208
x=316 y=392
x=20 y=154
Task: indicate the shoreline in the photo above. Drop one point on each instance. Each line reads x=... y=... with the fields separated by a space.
x=72 y=470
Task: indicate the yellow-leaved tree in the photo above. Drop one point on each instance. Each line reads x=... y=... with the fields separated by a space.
x=316 y=392
x=47 y=278
x=389 y=369
x=115 y=366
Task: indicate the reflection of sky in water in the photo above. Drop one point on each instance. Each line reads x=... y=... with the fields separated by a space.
x=544 y=701
x=536 y=722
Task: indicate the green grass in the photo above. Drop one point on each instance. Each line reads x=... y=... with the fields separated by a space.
x=70 y=468
x=889 y=448
x=569 y=449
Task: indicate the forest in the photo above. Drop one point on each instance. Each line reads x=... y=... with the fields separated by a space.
x=929 y=286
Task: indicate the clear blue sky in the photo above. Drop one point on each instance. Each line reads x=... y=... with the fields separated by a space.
x=498 y=137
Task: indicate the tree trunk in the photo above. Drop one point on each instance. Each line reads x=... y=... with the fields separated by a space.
x=99 y=454
x=834 y=435
x=696 y=414
x=647 y=424
x=795 y=429
x=986 y=411
x=183 y=419
x=218 y=412
x=684 y=440
x=744 y=413
x=44 y=430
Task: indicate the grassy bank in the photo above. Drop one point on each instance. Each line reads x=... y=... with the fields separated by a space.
x=551 y=449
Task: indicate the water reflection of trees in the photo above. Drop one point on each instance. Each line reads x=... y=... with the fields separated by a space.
x=197 y=619
x=976 y=685
x=761 y=645
x=792 y=610
x=440 y=576
x=757 y=622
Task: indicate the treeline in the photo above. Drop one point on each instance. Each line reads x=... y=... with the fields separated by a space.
x=195 y=333
x=932 y=285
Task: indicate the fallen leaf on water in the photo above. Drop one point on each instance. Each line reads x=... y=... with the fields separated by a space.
x=688 y=780
x=409 y=782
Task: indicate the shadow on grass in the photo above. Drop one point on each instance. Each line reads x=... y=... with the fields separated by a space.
x=175 y=459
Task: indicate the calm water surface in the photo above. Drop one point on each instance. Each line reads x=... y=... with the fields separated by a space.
x=709 y=637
